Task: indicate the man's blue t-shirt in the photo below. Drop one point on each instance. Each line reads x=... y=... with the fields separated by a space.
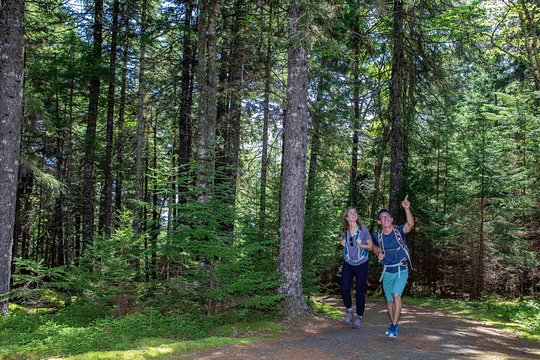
x=393 y=252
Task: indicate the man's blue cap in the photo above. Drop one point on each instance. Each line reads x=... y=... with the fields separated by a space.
x=383 y=210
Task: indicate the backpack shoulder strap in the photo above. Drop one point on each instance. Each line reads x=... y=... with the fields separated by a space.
x=380 y=239
x=404 y=246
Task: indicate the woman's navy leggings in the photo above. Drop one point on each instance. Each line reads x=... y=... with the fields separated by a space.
x=348 y=272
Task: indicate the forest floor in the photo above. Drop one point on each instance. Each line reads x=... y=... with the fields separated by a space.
x=424 y=334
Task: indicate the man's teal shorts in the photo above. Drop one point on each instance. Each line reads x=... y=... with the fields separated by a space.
x=394 y=283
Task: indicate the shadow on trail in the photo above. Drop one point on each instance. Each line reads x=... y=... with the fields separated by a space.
x=424 y=334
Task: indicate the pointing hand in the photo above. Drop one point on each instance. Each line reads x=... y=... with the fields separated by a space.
x=406 y=203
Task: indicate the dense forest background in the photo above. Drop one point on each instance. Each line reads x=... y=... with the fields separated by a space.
x=153 y=144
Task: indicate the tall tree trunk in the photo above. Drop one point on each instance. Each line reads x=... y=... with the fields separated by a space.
x=228 y=122
x=438 y=174
x=353 y=191
x=121 y=112
x=23 y=217
x=380 y=148
x=11 y=92
x=207 y=81
x=154 y=233
x=90 y=135
x=207 y=107
x=144 y=223
x=479 y=271
x=140 y=126
x=316 y=135
x=294 y=167
x=377 y=174
x=106 y=205
x=232 y=139
x=186 y=97
x=56 y=224
x=266 y=120
x=445 y=210
x=68 y=154
x=396 y=110
x=354 y=188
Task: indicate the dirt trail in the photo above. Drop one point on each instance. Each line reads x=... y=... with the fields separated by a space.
x=424 y=334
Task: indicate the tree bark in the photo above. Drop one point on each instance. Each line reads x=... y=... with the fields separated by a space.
x=185 y=137
x=228 y=122
x=232 y=133
x=68 y=201
x=121 y=112
x=380 y=147
x=207 y=82
x=207 y=114
x=396 y=111
x=294 y=169
x=266 y=120
x=106 y=205
x=90 y=135
x=140 y=126
x=479 y=271
x=11 y=114
x=23 y=216
x=353 y=190
x=155 y=226
x=316 y=134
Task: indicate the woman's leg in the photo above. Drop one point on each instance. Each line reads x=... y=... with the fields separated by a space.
x=346 y=281
x=361 y=273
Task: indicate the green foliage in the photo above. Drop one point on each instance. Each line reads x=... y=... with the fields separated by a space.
x=79 y=329
x=38 y=285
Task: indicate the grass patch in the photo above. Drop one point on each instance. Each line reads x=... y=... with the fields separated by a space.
x=244 y=329
x=521 y=317
x=324 y=309
x=86 y=332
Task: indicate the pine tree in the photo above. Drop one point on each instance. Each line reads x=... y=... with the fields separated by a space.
x=11 y=92
x=294 y=167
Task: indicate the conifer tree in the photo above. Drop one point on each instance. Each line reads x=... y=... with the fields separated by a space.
x=294 y=167
x=11 y=96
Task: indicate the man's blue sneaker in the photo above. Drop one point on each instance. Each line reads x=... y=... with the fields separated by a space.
x=390 y=330
x=394 y=333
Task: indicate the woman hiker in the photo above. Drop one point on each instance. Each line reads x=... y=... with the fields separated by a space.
x=356 y=242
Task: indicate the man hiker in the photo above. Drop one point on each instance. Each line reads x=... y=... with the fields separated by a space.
x=390 y=245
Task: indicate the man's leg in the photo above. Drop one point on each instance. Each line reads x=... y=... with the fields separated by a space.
x=396 y=308
x=390 y=306
x=397 y=291
x=388 y=285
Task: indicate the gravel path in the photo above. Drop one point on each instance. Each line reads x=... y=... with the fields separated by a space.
x=424 y=334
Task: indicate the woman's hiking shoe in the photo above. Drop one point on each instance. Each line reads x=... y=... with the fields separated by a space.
x=390 y=330
x=347 y=320
x=394 y=333
x=357 y=322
